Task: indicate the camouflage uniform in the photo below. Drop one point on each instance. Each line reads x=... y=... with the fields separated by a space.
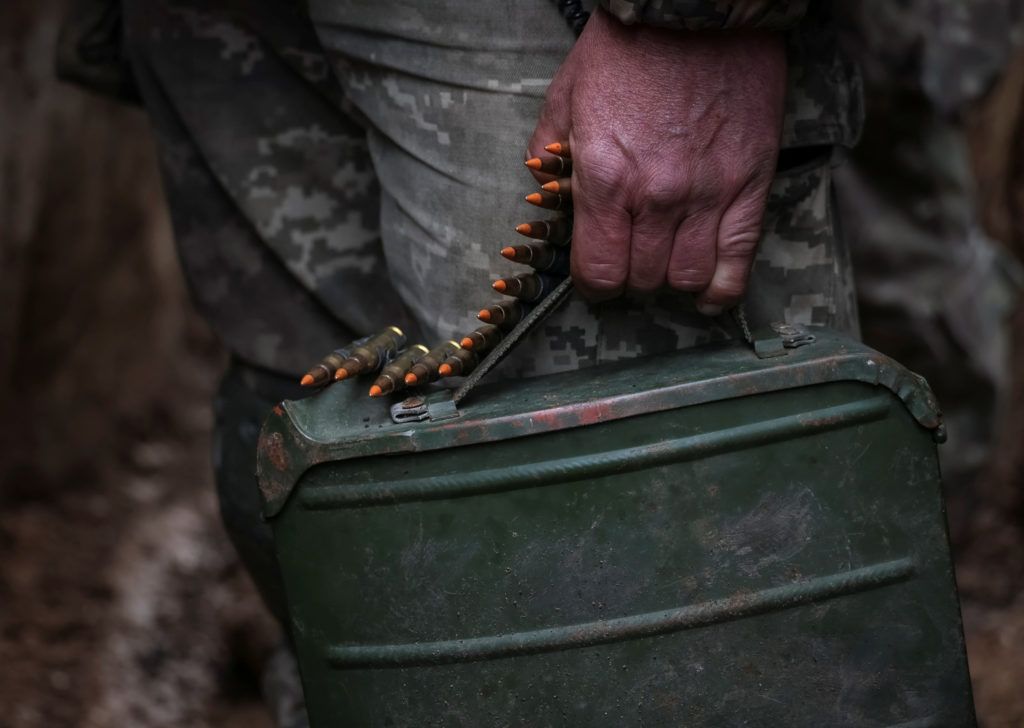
x=331 y=177
x=935 y=291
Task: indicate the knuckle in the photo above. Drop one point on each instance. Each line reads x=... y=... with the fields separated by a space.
x=602 y=178
x=604 y=284
x=739 y=243
x=733 y=179
x=599 y=160
x=601 y=277
x=689 y=279
x=728 y=284
x=724 y=295
x=727 y=290
x=662 y=190
x=600 y=268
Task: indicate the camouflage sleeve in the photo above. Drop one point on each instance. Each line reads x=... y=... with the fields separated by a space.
x=709 y=14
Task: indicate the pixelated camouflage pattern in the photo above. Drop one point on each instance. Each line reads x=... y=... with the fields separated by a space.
x=273 y=197
x=709 y=14
x=949 y=51
x=311 y=207
x=429 y=85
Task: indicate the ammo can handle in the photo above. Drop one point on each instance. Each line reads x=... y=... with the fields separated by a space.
x=540 y=312
x=734 y=319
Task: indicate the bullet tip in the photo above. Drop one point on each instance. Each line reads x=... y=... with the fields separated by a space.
x=484 y=315
x=467 y=343
x=534 y=198
x=411 y=379
x=376 y=391
x=508 y=252
x=533 y=163
x=524 y=228
x=341 y=374
x=499 y=286
x=445 y=370
x=307 y=380
x=551 y=186
x=555 y=148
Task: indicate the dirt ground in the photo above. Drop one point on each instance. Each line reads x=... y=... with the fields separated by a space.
x=121 y=602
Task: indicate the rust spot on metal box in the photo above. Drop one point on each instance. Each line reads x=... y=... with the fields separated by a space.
x=277 y=455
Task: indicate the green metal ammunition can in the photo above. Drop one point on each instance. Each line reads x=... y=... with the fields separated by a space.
x=706 y=538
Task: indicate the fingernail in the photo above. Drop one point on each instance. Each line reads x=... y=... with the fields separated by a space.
x=710 y=309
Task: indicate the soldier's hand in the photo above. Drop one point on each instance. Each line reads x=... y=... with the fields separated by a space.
x=674 y=138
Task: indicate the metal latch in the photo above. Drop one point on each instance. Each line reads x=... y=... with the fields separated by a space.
x=437 y=406
x=410 y=409
x=792 y=335
x=779 y=337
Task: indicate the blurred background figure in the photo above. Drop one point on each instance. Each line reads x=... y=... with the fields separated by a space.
x=123 y=603
x=935 y=290
x=930 y=201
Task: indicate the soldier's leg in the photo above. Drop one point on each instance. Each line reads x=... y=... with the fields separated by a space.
x=274 y=206
x=450 y=93
x=272 y=195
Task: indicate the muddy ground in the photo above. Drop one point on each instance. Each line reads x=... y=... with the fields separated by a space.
x=121 y=602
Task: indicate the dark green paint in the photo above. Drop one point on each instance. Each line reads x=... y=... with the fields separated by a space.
x=699 y=539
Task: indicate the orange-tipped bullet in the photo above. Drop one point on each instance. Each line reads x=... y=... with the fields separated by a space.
x=505 y=314
x=322 y=373
x=539 y=256
x=425 y=370
x=559 y=148
x=556 y=231
x=559 y=186
x=529 y=287
x=460 y=363
x=392 y=377
x=547 y=200
x=371 y=353
x=500 y=285
x=483 y=338
x=551 y=165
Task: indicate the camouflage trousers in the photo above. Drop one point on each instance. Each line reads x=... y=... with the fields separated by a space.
x=328 y=178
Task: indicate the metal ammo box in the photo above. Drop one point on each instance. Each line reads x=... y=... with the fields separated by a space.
x=706 y=538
